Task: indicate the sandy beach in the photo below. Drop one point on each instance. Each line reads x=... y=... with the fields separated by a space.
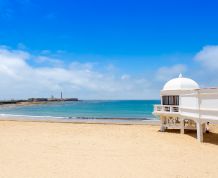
x=40 y=149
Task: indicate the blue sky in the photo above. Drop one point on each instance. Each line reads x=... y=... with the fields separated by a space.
x=138 y=39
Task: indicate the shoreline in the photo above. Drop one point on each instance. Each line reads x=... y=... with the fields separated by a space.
x=125 y=121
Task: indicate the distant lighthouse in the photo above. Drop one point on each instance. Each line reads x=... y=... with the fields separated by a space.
x=61 y=95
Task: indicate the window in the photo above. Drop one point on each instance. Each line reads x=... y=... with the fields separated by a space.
x=170 y=100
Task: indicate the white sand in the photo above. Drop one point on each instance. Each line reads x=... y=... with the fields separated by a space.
x=50 y=150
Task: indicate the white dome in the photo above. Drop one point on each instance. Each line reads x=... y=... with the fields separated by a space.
x=181 y=83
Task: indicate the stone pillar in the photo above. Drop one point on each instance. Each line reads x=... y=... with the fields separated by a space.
x=199 y=131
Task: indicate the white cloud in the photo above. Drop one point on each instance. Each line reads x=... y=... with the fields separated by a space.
x=21 y=79
x=47 y=60
x=208 y=57
x=167 y=73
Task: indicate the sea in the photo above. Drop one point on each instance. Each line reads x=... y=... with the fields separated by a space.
x=87 y=109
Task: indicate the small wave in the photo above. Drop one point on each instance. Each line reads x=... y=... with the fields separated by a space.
x=30 y=116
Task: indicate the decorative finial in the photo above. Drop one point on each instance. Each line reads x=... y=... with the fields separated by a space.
x=180 y=75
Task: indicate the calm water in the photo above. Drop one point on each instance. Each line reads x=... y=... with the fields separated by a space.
x=138 y=109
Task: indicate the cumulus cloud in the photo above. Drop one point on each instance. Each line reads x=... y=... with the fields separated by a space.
x=19 y=78
x=24 y=75
x=208 y=57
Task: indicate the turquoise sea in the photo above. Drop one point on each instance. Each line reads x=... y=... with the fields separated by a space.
x=89 y=109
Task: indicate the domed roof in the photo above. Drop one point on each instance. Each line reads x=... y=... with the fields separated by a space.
x=181 y=83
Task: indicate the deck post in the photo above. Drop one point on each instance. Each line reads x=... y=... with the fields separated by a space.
x=162 y=128
x=199 y=131
x=182 y=129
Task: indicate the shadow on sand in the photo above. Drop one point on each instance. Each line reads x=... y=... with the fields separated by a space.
x=210 y=137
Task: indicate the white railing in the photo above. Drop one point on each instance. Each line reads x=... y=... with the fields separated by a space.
x=166 y=108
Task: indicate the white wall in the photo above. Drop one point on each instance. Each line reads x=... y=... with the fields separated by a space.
x=189 y=101
x=209 y=101
x=202 y=103
x=193 y=113
x=209 y=104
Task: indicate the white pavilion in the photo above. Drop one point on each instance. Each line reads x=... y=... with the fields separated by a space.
x=184 y=105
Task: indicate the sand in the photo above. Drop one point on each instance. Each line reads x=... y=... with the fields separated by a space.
x=50 y=150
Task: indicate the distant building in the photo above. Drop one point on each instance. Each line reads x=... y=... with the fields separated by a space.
x=37 y=99
x=184 y=105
